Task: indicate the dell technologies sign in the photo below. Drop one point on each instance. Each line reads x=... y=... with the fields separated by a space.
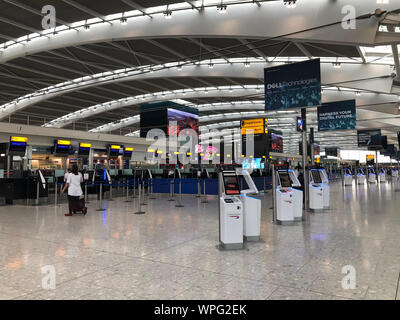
x=294 y=85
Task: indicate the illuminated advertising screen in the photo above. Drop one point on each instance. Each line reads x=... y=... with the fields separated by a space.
x=369 y=138
x=276 y=143
x=252 y=163
x=340 y=115
x=210 y=153
x=295 y=85
x=299 y=124
x=184 y=120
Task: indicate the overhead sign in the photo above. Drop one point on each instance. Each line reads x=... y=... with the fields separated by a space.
x=19 y=139
x=255 y=126
x=115 y=147
x=369 y=138
x=64 y=142
x=339 y=115
x=295 y=85
x=85 y=145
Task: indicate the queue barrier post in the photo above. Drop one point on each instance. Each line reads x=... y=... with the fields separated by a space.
x=127 y=191
x=205 y=200
x=179 y=204
x=198 y=188
x=55 y=192
x=140 y=211
x=143 y=194
x=37 y=193
x=100 y=198
x=151 y=194
x=171 y=189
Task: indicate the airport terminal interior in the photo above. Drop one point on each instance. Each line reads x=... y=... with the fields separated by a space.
x=199 y=150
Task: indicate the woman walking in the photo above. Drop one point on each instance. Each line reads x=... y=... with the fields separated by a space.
x=73 y=185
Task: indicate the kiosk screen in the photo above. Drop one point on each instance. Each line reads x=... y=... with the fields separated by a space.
x=231 y=184
x=316 y=176
x=285 y=179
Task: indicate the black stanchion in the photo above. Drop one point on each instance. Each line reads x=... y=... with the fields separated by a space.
x=140 y=211
x=205 y=200
x=198 y=189
x=127 y=191
x=143 y=193
x=179 y=204
x=151 y=194
x=171 y=190
x=100 y=208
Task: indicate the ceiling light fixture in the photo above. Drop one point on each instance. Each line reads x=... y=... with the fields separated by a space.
x=291 y=4
x=337 y=65
x=221 y=8
x=167 y=13
x=124 y=20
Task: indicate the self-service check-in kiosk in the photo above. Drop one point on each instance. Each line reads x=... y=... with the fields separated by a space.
x=395 y=173
x=382 y=175
x=371 y=175
x=298 y=196
x=230 y=211
x=285 y=198
x=325 y=187
x=360 y=176
x=348 y=177
x=316 y=190
x=251 y=209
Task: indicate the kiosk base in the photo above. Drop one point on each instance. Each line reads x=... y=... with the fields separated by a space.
x=252 y=238
x=317 y=210
x=285 y=223
x=231 y=246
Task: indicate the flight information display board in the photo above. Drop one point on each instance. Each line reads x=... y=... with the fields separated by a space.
x=62 y=147
x=17 y=145
x=84 y=149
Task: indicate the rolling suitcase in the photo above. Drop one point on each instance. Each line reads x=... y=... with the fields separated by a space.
x=79 y=206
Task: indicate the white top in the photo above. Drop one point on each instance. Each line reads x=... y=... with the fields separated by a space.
x=74 y=181
x=66 y=176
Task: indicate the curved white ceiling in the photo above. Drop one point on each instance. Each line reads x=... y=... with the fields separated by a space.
x=259 y=22
x=374 y=77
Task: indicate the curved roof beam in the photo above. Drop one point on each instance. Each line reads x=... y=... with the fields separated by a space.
x=363 y=100
x=350 y=75
x=209 y=23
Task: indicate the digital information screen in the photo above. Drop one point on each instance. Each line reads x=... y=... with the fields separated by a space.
x=184 y=120
x=252 y=163
x=231 y=184
x=276 y=143
x=285 y=179
x=316 y=176
x=62 y=146
x=128 y=152
x=369 y=138
x=84 y=149
x=299 y=124
x=113 y=150
x=18 y=144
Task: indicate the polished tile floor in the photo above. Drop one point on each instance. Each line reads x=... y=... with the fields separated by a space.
x=170 y=253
